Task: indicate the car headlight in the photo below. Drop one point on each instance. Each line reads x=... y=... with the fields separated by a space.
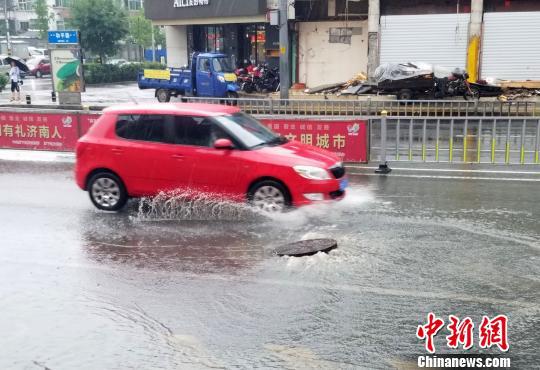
x=312 y=173
x=221 y=78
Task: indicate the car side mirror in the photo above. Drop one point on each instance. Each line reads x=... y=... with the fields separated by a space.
x=223 y=144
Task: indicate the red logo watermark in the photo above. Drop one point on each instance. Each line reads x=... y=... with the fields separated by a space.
x=491 y=332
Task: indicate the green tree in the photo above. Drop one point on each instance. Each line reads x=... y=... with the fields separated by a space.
x=102 y=23
x=159 y=37
x=140 y=31
x=43 y=17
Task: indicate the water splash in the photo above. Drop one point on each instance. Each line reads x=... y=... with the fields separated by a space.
x=187 y=204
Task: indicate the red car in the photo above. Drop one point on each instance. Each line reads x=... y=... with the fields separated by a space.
x=139 y=150
x=39 y=67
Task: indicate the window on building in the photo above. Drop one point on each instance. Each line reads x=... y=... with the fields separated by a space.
x=25 y=4
x=340 y=35
x=25 y=26
x=60 y=25
x=133 y=4
x=63 y=3
x=214 y=38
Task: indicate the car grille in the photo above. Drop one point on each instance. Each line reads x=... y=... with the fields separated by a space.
x=338 y=171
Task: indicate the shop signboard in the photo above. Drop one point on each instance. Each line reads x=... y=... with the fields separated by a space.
x=184 y=10
x=189 y=3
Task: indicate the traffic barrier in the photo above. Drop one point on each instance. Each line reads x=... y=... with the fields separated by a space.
x=496 y=140
x=368 y=107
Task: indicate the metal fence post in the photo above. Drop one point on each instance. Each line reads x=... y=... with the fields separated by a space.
x=383 y=165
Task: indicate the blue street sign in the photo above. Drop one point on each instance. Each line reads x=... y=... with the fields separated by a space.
x=63 y=37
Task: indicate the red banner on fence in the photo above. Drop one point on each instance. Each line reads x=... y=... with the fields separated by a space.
x=348 y=139
x=59 y=132
x=41 y=131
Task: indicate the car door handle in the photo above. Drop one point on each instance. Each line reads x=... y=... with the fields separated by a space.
x=178 y=156
x=117 y=151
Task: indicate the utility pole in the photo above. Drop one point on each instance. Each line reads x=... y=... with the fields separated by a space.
x=8 y=38
x=475 y=37
x=374 y=15
x=284 y=52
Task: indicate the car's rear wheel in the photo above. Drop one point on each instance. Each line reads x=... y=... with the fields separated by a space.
x=107 y=191
x=39 y=74
x=269 y=196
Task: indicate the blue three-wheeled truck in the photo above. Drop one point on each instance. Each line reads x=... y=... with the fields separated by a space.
x=210 y=75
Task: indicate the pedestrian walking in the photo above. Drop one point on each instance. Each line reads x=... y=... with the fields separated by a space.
x=14 y=77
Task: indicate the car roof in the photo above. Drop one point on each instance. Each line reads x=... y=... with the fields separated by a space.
x=198 y=109
x=211 y=55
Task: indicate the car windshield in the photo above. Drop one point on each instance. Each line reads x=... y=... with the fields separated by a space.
x=222 y=65
x=250 y=131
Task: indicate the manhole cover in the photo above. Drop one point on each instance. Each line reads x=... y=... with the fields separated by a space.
x=306 y=247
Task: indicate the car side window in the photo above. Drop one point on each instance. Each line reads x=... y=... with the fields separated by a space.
x=204 y=65
x=146 y=127
x=197 y=131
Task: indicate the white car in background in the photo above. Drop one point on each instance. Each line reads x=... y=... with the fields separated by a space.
x=118 y=62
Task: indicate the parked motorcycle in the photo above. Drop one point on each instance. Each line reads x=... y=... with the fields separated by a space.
x=269 y=80
x=456 y=84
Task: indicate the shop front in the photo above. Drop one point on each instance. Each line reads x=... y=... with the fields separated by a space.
x=237 y=28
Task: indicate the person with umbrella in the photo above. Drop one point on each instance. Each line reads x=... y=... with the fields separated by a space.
x=14 y=77
x=17 y=65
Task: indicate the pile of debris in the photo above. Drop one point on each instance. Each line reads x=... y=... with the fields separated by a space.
x=515 y=94
x=355 y=86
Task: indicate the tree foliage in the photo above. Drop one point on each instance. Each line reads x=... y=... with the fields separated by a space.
x=140 y=30
x=43 y=17
x=102 y=23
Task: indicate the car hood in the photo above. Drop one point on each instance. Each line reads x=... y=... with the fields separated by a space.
x=295 y=153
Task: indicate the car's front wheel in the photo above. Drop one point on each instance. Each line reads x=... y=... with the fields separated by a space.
x=107 y=192
x=269 y=196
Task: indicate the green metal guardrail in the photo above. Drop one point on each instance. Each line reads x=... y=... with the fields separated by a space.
x=497 y=140
x=432 y=108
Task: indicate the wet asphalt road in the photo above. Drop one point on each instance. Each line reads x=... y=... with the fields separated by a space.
x=40 y=89
x=82 y=289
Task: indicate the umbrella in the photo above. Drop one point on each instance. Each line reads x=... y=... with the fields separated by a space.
x=20 y=63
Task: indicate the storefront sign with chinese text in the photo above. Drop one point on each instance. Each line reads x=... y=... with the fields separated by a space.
x=348 y=139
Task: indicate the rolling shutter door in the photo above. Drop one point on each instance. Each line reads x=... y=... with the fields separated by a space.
x=432 y=38
x=511 y=46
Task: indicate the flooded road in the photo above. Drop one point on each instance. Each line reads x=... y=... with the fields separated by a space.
x=82 y=289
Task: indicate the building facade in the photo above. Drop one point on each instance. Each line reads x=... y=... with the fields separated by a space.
x=237 y=28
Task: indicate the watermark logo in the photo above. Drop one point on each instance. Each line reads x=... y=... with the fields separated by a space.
x=491 y=332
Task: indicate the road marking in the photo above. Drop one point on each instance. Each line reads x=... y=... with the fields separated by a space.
x=449 y=170
x=450 y=177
